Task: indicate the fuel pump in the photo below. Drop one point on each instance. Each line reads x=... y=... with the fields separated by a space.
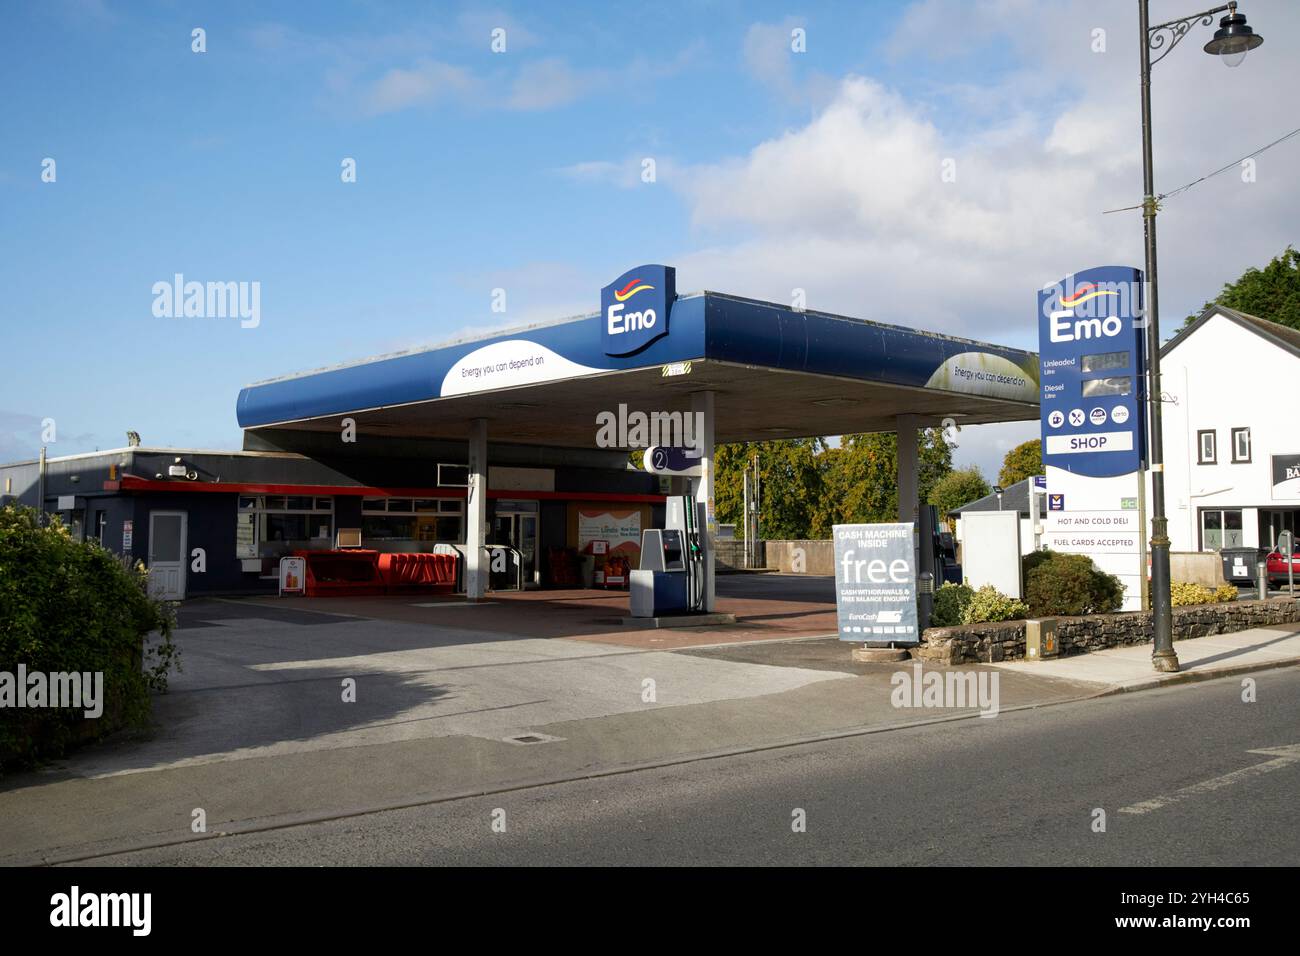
x=671 y=579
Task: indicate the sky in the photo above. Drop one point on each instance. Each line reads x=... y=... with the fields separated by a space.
x=930 y=164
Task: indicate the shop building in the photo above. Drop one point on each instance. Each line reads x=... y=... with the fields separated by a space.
x=245 y=510
x=1231 y=432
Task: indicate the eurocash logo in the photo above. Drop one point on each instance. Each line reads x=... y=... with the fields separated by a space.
x=635 y=306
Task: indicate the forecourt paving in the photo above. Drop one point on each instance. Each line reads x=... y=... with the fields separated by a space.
x=255 y=731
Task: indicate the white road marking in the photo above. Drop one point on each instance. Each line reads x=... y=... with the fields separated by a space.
x=1283 y=757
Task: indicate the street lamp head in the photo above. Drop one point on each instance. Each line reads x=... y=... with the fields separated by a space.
x=1233 y=40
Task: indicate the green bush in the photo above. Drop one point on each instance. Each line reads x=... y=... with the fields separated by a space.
x=71 y=606
x=990 y=604
x=1058 y=584
x=950 y=604
x=1225 y=593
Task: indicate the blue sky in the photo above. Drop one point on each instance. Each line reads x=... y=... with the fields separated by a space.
x=519 y=170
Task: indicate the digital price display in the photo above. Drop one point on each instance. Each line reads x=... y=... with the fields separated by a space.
x=1105 y=361
x=1098 y=387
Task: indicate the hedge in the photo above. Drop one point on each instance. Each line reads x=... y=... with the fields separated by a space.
x=70 y=606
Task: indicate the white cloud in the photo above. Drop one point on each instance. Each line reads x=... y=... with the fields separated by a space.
x=852 y=207
x=428 y=81
x=546 y=84
x=984 y=446
x=768 y=56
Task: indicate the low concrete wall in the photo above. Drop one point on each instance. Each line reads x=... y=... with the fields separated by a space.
x=728 y=554
x=1196 y=567
x=801 y=557
x=1005 y=641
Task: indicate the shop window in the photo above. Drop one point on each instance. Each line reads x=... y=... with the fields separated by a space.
x=428 y=520
x=1221 y=529
x=1207 y=451
x=270 y=526
x=451 y=530
x=387 y=527
x=1241 y=446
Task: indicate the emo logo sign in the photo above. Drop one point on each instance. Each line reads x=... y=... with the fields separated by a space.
x=634 y=308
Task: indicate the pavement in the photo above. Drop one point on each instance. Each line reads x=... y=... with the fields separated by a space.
x=292 y=712
x=1199 y=658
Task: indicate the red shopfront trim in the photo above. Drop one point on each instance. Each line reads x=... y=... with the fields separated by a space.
x=133 y=483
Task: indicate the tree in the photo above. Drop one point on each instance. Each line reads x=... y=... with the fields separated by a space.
x=958 y=488
x=860 y=478
x=1271 y=293
x=790 y=473
x=1023 y=461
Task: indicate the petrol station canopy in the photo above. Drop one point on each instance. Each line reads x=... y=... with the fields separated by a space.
x=775 y=372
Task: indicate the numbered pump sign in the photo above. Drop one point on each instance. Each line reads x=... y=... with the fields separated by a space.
x=875 y=583
x=1092 y=356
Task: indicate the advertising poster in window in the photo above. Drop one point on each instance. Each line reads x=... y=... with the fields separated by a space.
x=1286 y=477
x=246 y=535
x=621 y=529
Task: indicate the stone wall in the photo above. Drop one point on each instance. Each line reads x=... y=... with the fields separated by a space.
x=1005 y=641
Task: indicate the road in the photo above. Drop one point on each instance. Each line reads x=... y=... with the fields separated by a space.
x=1022 y=788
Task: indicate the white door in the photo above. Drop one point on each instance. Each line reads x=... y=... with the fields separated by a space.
x=167 y=530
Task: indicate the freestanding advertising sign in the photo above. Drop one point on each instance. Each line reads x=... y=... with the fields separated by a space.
x=1093 y=419
x=293 y=574
x=875 y=583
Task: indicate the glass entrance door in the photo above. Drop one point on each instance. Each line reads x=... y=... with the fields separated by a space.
x=517 y=527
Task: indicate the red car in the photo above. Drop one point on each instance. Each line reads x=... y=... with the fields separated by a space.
x=1277 y=567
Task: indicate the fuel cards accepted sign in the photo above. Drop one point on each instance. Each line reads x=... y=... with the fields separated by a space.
x=1092 y=361
x=875 y=583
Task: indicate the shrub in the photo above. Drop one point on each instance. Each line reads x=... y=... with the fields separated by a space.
x=990 y=604
x=1225 y=593
x=950 y=603
x=1185 y=594
x=1058 y=584
x=71 y=606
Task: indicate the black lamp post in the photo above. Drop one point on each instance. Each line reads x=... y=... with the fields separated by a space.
x=1232 y=41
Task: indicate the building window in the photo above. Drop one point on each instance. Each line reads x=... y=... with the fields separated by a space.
x=1221 y=529
x=1241 y=445
x=273 y=525
x=427 y=520
x=1207 y=447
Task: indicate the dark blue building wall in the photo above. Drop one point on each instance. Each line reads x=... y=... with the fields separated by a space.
x=210 y=525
